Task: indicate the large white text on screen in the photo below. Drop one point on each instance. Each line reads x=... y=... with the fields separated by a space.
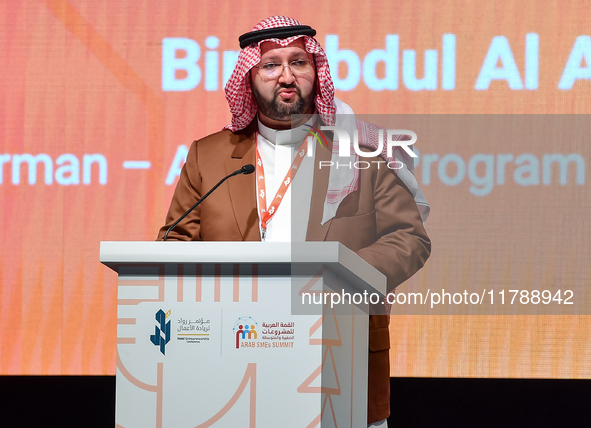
x=184 y=69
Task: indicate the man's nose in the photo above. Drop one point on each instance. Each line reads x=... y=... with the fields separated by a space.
x=286 y=75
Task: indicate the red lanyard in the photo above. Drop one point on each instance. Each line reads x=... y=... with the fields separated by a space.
x=266 y=214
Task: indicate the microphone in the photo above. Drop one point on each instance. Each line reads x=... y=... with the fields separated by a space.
x=246 y=169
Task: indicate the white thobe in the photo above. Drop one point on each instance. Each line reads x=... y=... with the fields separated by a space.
x=277 y=150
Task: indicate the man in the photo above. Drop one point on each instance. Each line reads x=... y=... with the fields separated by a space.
x=283 y=71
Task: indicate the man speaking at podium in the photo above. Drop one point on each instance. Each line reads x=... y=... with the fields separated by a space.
x=283 y=71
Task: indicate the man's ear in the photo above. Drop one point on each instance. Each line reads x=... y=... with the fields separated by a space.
x=247 y=81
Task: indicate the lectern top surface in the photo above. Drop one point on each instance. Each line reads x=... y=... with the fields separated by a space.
x=332 y=254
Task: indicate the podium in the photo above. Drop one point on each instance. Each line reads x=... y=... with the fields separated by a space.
x=241 y=334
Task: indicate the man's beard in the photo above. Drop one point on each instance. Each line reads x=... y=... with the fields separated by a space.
x=280 y=111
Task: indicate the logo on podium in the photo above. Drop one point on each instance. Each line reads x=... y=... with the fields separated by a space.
x=161 y=334
x=245 y=332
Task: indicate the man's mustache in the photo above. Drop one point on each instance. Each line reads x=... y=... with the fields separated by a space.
x=290 y=86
